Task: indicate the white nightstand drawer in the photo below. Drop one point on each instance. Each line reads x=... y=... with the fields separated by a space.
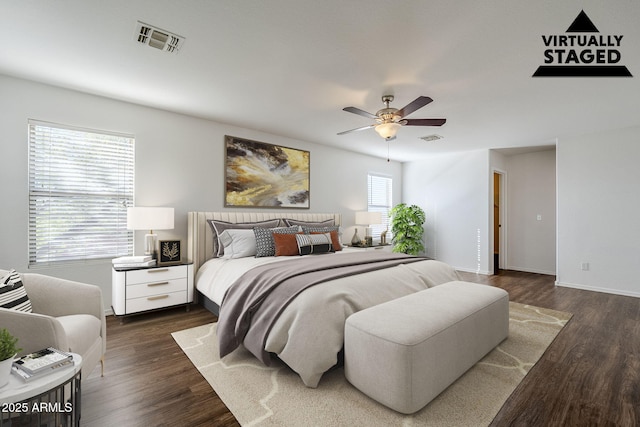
x=156 y=287
x=135 y=290
x=156 y=301
x=159 y=274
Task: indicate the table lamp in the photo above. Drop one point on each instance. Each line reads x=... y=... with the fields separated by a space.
x=149 y=218
x=367 y=219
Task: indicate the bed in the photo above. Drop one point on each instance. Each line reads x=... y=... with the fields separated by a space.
x=305 y=327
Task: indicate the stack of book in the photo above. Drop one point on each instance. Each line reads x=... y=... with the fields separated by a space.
x=134 y=261
x=40 y=363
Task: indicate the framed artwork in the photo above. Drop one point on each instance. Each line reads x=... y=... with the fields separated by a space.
x=261 y=175
x=169 y=252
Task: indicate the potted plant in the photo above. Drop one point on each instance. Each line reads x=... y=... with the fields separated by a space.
x=8 y=351
x=406 y=227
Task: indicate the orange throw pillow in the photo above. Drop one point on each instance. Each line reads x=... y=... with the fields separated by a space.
x=286 y=244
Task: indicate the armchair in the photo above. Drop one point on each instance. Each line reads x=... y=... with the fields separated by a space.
x=66 y=315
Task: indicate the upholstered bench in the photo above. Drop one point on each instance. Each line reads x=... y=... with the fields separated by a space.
x=405 y=352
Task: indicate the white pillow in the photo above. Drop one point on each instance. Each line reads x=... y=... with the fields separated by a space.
x=238 y=243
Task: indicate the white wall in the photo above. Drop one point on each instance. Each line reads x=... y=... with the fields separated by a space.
x=179 y=163
x=453 y=189
x=531 y=191
x=599 y=211
x=456 y=191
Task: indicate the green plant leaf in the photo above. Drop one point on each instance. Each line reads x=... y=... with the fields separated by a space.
x=8 y=347
x=406 y=227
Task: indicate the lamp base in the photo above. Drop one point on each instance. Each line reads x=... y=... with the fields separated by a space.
x=368 y=236
x=150 y=244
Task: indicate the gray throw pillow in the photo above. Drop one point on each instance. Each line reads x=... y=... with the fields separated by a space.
x=217 y=227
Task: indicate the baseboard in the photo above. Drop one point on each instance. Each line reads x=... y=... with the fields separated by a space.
x=597 y=289
x=469 y=270
x=531 y=270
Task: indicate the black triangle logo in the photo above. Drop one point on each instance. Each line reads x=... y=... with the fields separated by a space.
x=582 y=24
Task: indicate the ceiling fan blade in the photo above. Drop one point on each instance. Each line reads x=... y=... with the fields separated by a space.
x=414 y=105
x=356 y=129
x=425 y=122
x=360 y=112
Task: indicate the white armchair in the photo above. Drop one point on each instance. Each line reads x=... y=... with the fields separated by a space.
x=66 y=315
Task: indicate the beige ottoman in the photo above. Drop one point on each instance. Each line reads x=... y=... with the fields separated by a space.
x=405 y=352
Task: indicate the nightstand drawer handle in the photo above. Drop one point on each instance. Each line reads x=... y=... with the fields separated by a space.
x=157 y=297
x=157 y=284
x=157 y=270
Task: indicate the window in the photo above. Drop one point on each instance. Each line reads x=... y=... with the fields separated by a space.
x=380 y=200
x=80 y=184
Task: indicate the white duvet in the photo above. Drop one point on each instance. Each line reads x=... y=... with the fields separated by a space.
x=309 y=333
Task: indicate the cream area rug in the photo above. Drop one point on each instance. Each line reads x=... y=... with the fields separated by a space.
x=258 y=395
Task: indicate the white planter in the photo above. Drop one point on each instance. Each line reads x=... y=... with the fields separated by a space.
x=5 y=371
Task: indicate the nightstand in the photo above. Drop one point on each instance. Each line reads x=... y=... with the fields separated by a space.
x=135 y=290
x=384 y=248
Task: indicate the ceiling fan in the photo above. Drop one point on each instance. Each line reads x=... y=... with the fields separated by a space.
x=389 y=120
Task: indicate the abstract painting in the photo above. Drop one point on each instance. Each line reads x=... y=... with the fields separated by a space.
x=264 y=175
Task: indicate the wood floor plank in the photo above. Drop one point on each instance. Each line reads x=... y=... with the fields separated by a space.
x=148 y=380
x=590 y=375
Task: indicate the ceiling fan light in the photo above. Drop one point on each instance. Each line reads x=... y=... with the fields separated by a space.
x=387 y=130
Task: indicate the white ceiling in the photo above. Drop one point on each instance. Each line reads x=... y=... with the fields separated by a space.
x=288 y=67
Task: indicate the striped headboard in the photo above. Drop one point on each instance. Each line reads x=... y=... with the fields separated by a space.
x=200 y=236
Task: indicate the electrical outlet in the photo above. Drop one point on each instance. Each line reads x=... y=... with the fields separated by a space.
x=585 y=266
x=539 y=217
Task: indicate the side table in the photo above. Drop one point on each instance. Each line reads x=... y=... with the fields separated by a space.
x=384 y=248
x=135 y=290
x=52 y=400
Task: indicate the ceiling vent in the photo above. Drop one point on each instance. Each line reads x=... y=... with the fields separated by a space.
x=157 y=38
x=433 y=137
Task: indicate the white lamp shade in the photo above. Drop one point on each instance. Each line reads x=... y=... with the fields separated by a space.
x=149 y=218
x=368 y=218
x=387 y=130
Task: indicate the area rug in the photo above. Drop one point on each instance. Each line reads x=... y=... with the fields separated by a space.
x=275 y=396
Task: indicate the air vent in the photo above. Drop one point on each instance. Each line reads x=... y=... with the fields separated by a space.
x=157 y=38
x=433 y=137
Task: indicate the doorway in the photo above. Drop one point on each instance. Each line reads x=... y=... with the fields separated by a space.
x=499 y=249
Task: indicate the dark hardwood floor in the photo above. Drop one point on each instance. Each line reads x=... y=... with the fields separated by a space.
x=148 y=380
x=589 y=376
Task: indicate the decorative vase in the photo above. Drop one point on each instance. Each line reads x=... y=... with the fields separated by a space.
x=355 y=240
x=5 y=371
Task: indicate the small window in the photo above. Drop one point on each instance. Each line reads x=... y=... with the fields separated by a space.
x=80 y=184
x=380 y=200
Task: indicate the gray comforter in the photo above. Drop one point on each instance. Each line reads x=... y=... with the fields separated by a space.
x=254 y=302
x=304 y=324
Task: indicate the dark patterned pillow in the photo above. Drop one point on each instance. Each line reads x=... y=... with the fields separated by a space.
x=12 y=293
x=326 y=223
x=217 y=227
x=265 y=245
x=314 y=243
x=334 y=230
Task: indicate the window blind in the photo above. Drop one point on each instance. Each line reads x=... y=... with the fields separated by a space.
x=80 y=184
x=380 y=200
